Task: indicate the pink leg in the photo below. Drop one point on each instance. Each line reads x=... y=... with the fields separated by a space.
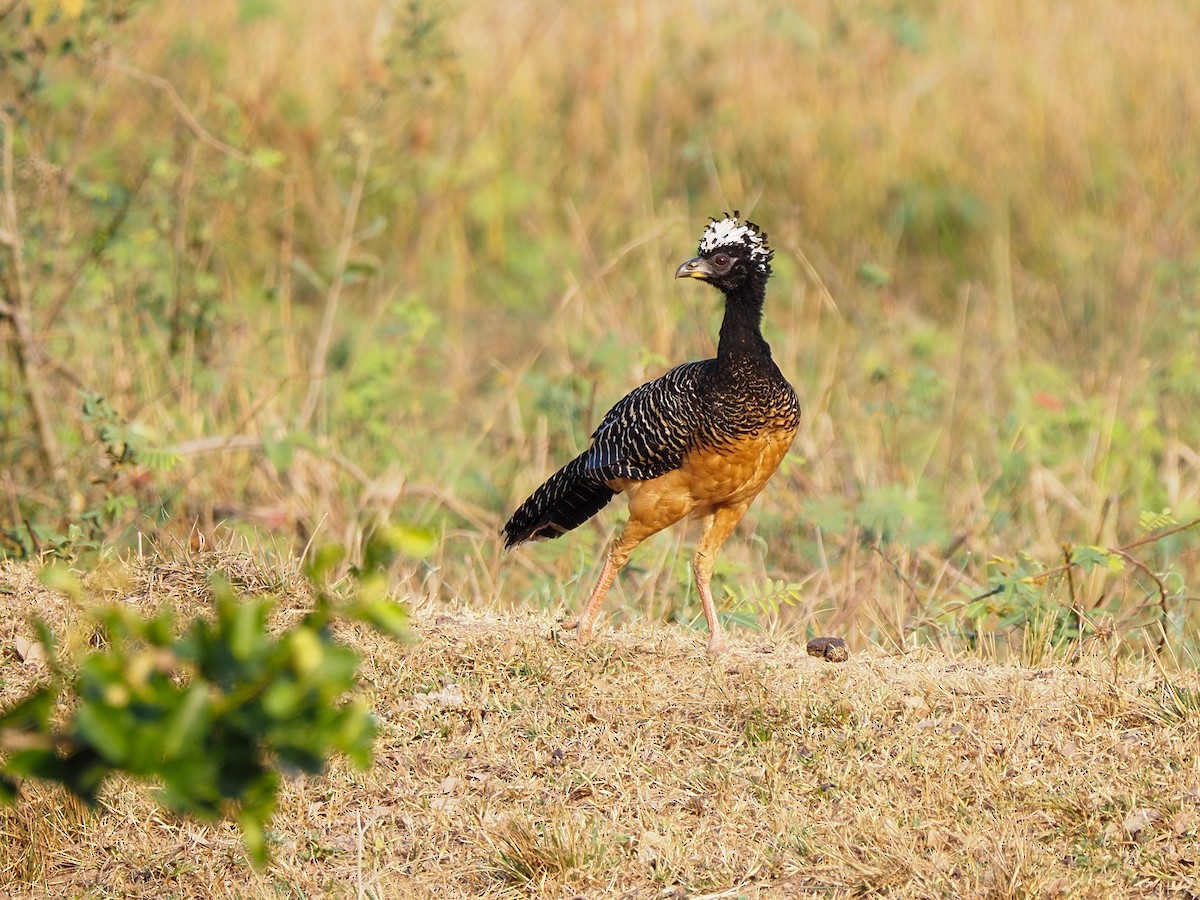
x=635 y=532
x=717 y=528
x=716 y=635
x=587 y=619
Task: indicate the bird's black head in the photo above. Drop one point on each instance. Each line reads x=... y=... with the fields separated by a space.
x=732 y=255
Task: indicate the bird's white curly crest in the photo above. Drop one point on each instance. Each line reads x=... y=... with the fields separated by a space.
x=722 y=232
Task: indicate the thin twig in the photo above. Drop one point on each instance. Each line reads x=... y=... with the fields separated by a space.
x=217 y=444
x=1149 y=539
x=1154 y=538
x=1066 y=552
x=1162 y=593
x=191 y=121
x=896 y=568
x=1066 y=555
x=992 y=593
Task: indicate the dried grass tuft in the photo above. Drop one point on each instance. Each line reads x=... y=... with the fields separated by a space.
x=524 y=852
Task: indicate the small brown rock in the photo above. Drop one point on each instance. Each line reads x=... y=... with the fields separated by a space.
x=830 y=649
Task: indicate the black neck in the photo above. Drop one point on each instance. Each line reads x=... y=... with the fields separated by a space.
x=741 y=331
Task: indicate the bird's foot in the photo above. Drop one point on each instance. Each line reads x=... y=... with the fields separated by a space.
x=582 y=628
x=717 y=644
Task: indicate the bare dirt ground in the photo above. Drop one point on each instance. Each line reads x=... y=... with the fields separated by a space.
x=513 y=763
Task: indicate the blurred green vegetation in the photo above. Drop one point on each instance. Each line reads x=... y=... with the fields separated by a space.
x=213 y=710
x=284 y=268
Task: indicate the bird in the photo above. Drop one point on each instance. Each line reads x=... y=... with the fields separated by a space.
x=702 y=440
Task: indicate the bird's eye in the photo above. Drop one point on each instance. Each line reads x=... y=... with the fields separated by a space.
x=720 y=260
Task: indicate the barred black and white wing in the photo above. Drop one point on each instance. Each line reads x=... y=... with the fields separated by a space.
x=650 y=430
x=645 y=435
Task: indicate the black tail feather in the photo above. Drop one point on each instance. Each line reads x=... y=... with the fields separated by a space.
x=568 y=499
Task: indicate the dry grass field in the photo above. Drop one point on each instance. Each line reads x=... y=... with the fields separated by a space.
x=279 y=276
x=331 y=265
x=512 y=763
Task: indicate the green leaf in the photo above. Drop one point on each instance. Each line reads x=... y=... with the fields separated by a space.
x=240 y=766
x=385 y=616
x=279 y=454
x=186 y=726
x=411 y=540
x=361 y=267
x=254 y=836
x=266 y=157
x=8 y=791
x=300 y=754
x=57 y=577
x=83 y=773
x=874 y=275
x=1091 y=557
x=305 y=650
x=1151 y=521
x=158 y=460
x=324 y=562
x=106 y=728
x=743 y=618
x=252 y=701
x=258 y=805
x=32 y=713
x=189 y=786
x=35 y=762
x=245 y=629
x=160 y=631
x=222 y=590
x=357 y=733
x=282 y=698
x=337 y=669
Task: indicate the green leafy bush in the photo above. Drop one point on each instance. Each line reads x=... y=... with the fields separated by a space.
x=212 y=711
